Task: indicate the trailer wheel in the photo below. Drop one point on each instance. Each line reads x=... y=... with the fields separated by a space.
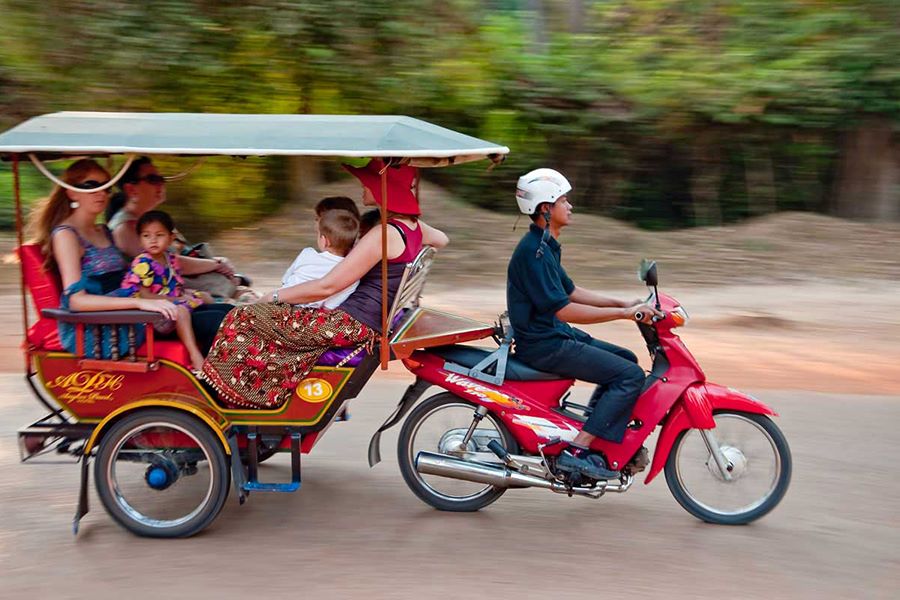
x=162 y=473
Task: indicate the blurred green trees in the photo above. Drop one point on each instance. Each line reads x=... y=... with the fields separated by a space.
x=662 y=112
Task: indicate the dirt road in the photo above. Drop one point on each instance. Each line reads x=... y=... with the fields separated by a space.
x=355 y=532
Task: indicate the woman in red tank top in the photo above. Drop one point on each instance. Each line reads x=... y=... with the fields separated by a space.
x=262 y=351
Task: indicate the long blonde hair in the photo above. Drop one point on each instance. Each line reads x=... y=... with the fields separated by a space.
x=56 y=208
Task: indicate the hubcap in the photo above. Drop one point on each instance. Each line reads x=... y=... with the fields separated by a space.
x=734 y=458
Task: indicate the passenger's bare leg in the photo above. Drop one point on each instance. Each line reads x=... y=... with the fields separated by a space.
x=186 y=335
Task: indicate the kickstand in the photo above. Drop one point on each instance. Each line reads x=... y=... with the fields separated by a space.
x=238 y=477
x=82 y=508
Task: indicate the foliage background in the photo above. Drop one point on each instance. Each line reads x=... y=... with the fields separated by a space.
x=665 y=113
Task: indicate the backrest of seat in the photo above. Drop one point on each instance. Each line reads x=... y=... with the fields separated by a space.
x=411 y=285
x=45 y=288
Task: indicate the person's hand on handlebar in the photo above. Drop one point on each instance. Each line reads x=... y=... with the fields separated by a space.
x=164 y=307
x=644 y=313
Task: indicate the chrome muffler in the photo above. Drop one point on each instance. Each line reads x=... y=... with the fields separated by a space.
x=431 y=463
x=442 y=465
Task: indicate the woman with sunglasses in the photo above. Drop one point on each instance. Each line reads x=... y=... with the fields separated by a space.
x=143 y=189
x=84 y=254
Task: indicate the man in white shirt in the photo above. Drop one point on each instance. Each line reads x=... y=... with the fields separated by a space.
x=336 y=232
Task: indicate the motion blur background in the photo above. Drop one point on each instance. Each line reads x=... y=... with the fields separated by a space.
x=750 y=146
x=663 y=113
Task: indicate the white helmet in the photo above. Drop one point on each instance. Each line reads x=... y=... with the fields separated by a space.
x=539 y=186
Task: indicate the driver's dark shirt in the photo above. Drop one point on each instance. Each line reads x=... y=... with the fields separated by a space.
x=536 y=288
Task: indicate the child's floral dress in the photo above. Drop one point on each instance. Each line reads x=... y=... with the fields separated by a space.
x=163 y=279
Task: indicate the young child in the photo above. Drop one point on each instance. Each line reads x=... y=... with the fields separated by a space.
x=336 y=231
x=368 y=220
x=155 y=273
x=335 y=202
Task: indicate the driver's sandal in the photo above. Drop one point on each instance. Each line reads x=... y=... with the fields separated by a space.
x=580 y=460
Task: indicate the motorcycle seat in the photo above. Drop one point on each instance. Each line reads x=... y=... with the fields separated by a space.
x=469 y=356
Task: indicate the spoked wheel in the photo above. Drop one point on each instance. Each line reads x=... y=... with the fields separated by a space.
x=759 y=462
x=162 y=473
x=439 y=424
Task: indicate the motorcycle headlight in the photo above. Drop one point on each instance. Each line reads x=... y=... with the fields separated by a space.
x=679 y=316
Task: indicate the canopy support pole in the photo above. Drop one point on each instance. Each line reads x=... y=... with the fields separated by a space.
x=385 y=349
x=20 y=240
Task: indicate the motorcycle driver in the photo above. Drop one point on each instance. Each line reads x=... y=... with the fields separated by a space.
x=542 y=301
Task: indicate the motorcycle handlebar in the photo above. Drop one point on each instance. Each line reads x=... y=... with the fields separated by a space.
x=639 y=316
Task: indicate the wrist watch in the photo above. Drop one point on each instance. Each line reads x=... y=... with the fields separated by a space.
x=275 y=295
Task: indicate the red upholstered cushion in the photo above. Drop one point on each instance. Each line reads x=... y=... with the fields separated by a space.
x=45 y=290
x=170 y=350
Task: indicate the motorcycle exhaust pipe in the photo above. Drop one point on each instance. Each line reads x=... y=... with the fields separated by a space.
x=442 y=465
x=430 y=463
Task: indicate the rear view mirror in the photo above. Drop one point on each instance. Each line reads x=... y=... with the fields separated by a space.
x=647 y=272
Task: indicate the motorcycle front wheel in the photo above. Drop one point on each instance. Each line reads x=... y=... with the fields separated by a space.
x=438 y=424
x=759 y=462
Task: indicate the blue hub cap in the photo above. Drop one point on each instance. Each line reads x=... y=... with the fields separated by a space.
x=158 y=477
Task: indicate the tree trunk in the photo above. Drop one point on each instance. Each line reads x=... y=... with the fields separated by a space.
x=706 y=178
x=538 y=27
x=304 y=172
x=868 y=179
x=577 y=16
x=759 y=174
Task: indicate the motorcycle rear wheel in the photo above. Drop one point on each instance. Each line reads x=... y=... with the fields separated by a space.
x=762 y=463
x=468 y=497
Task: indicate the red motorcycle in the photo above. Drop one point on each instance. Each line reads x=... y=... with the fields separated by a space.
x=501 y=424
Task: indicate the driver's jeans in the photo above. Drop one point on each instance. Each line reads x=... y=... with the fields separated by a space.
x=614 y=369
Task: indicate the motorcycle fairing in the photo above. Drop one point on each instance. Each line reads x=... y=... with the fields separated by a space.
x=530 y=409
x=695 y=411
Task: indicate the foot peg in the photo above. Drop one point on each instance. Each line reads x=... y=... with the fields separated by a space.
x=253 y=484
x=588 y=465
x=495 y=447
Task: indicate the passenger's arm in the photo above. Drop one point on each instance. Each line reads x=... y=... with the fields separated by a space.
x=191 y=265
x=365 y=255
x=431 y=236
x=126 y=238
x=582 y=296
x=68 y=253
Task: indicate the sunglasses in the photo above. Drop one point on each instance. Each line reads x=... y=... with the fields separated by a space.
x=152 y=179
x=91 y=184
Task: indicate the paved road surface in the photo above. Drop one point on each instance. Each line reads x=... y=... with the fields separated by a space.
x=358 y=532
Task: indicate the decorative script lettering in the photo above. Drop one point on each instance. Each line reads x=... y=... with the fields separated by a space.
x=86 y=387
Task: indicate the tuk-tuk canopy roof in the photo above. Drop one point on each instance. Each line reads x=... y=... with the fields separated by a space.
x=80 y=133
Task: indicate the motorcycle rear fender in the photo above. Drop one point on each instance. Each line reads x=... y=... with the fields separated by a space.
x=694 y=410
